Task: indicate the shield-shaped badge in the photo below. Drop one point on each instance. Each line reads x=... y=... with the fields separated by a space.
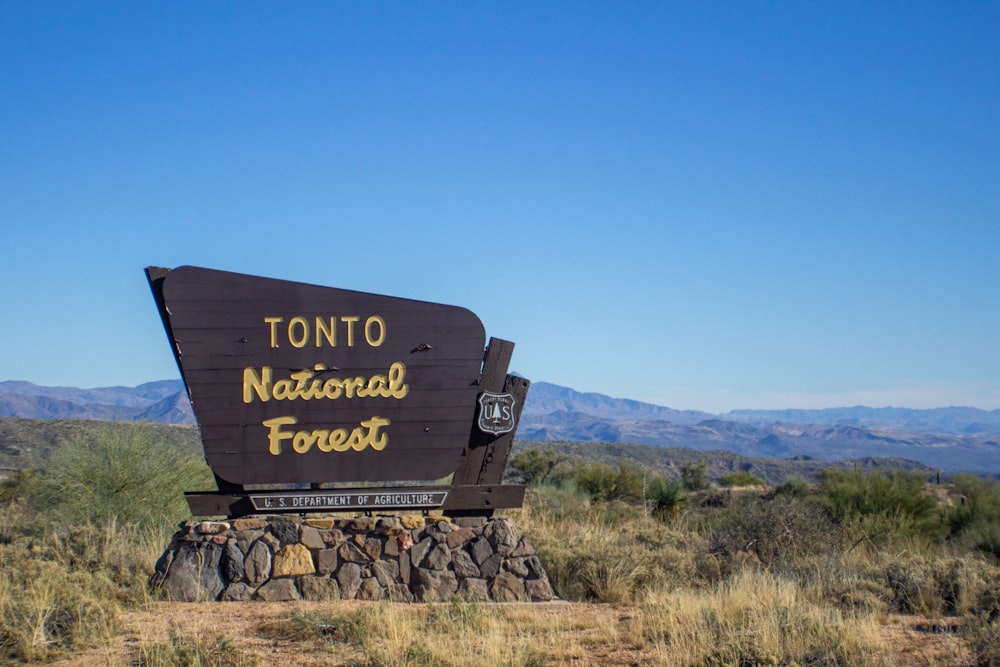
x=496 y=413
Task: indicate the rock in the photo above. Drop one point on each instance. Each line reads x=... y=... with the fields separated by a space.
x=257 y=564
x=310 y=538
x=326 y=561
x=503 y=535
x=319 y=589
x=212 y=527
x=373 y=547
x=386 y=571
x=279 y=590
x=286 y=532
x=524 y=548
x=474 y=589
x=433 y=586
x=469 y=521
x=507 y=588
x=238 y=592
x=350 y=553
x=459 y=537
x=319 y=523
x=420 y=550
x=491 y=566
x=349 y=578
x=370 y=590
x=463 y=565
x=539 y=590
x=481 y=550
x=271 y=541
x=294 y=560
x=388 y=523
x=364 y=524
x=252 y=523
x=411 y=521
x=232 y=561
x=332 y=537
x=194 y=574
x=245 y=538
x=438 y=558
x=516 y=566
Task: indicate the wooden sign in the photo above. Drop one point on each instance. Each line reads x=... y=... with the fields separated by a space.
x=296 y=384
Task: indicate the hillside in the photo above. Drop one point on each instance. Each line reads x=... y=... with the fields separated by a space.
x=950 y=439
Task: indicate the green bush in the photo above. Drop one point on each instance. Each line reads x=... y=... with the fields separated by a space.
x=120 y=475
x=537 y=466
x=882 y=506
x=975 y=519
x=694 y=476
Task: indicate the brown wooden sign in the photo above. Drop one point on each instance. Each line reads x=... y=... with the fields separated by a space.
x=296 y=384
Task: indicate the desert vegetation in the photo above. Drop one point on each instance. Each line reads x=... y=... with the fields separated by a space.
x=855 y=567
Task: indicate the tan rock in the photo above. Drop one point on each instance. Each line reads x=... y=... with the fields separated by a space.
x=325 y=524
x=293 y=560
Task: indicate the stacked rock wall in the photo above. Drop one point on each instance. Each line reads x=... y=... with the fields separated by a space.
x=408 y=558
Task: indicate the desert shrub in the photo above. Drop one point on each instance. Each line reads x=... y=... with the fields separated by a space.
x=604 y=482
x=694 y=476
x=794 y=486
x=777 y=532
x=182 y=649
x=882 y=506
x=667 y=498
x=117 y=475
x=740 y=478
x=539 y=466
x=975 y=520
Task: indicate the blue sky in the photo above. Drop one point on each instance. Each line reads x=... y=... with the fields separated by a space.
x=702 y=205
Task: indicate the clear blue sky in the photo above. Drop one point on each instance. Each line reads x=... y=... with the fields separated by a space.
x=701 y=205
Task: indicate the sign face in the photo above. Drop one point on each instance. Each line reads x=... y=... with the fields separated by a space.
x=496 y=413
x=331 y=500
x=294 y=383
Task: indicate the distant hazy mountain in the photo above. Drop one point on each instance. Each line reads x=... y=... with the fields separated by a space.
x=951 y=439
x=163 y=402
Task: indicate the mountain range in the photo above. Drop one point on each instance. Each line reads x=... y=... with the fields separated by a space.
x=951 y=439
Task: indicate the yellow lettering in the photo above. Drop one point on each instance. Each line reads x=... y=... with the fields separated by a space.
x=274 y=321
x=275 y=435
x=257 y=383
x=369 y=337
x=350 y=321
x=326 y=331
x=305 y=385
x=301 y=340
x=367 y=434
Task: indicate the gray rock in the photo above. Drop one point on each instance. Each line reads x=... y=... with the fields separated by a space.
x=326 y=561
x=371 y=590
x=491 y=566
x=245 y=538
x=232 y=561
x=350 y=553
x=539 y=590
x=517 y=566
x=503 y=535
x=524 y=548
x=373 y=547
x=286 y=532
x=257 y=564
x=319 y=589
x=438 y=558
x=238 y=592
x=310 y=538
x=279 y=590
x=420 y=550
x=507 y=588
x=463 y=565
x=481 y=550
x=399 y=593
x=433 y=586
x=194 y=574
x=474 y=589
x=386 y=571
x=349 y=578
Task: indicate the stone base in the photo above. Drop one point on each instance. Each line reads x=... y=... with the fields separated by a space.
x=403 y=559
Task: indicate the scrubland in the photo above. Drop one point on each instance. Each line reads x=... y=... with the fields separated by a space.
x=857 y=568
